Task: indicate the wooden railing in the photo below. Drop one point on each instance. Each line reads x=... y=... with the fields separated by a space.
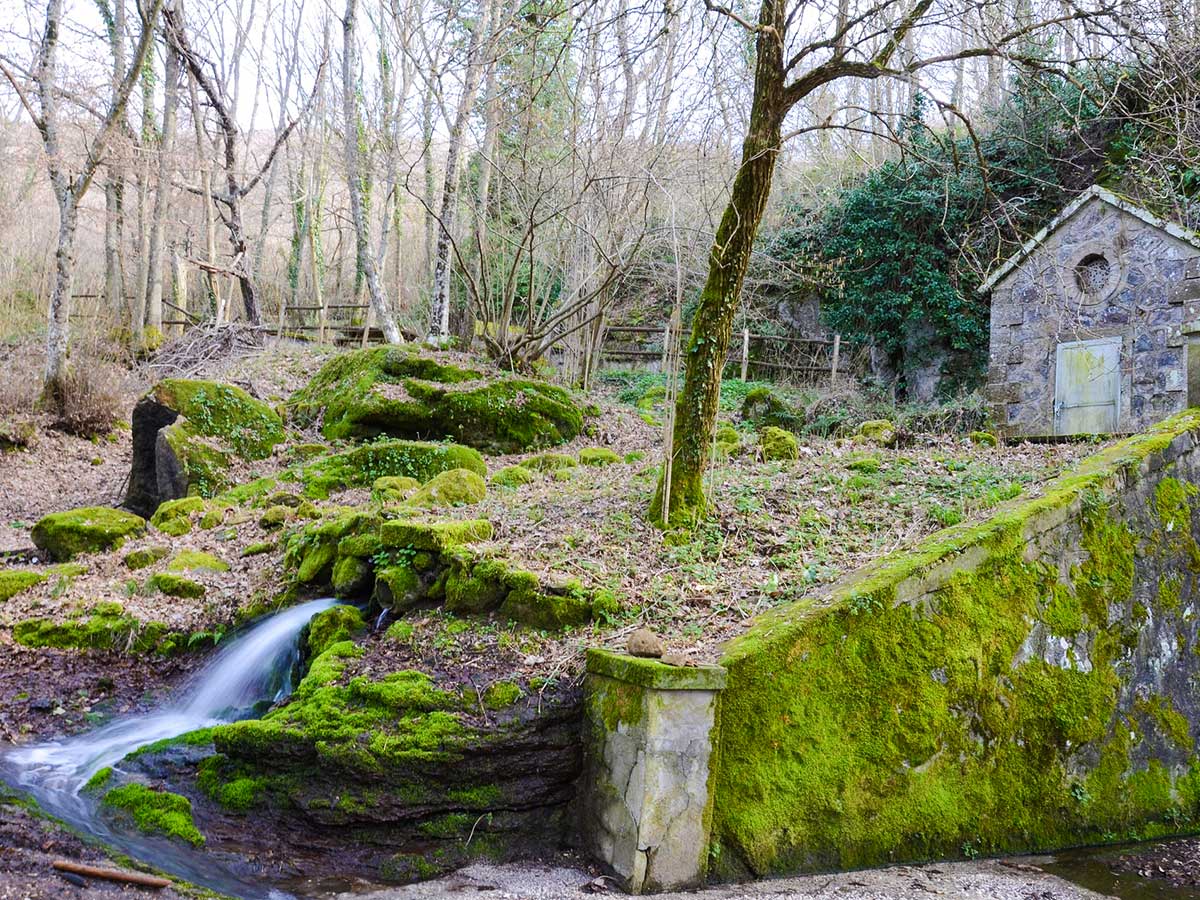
x=763 y=355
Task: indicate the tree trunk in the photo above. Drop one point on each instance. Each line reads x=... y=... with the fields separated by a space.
x=58 y=326
x=158 y=239
x=439 y=314
x=682 y=502
x=114 y=187
x=354 y=176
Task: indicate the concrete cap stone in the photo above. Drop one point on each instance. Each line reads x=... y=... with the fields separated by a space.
x=651 y=673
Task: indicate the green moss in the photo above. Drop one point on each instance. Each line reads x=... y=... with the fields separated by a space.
x=458 y=487
x=476 y=586
x=764 y=407
x=174 y=517
x=65 y=535
x=202 y=463
x=250 y=427
x=481 y=796
x=868 y=465
x=528 y=604
x=397 y=587
x=333 y=626
x=257 y=548
x=196 y=561
x=156 y=812
x=878 y=431
x=451 y=825
x=549 y=462
x=513 y=476
x=99 y=780
x=436 y=536
x=502 y=694
x=1169 y=591
x=213 y=517
x=404 y=868
x=147 y=556
x=393 y=488
x=907 y=712
x=777 y=444
x=983 y=439
x=394 y=391
x=274 y=517
x=107 y=627
x=14 y=581
x=1172 y=501
x=598 y=456
x=401 y=631
x=238 y=794
x=351 y=576
x=362 y=466
x=175 y=586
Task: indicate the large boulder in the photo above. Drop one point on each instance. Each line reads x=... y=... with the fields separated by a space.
x=63 y=535
x=396 y=392
x=185 y=436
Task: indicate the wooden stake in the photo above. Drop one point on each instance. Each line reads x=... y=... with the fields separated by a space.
x=837 y=345
x=745 y=352
x=151 y=881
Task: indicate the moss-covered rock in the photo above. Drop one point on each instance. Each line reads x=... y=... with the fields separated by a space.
x=257 y=548
x=878 y=431
x=274 y=517
x=436 y=536
x=530 y=604
x=196 y=561
x=190 y=464
x=513 y=476
x=394 y=488
x=175 y=516
x=398 y=587
x=549 y=462
x=107 y=627
x=983 y=439
x=14 y=581
x=501 y=694
x=397 y=392
x=598 y=456
x=458 y=487
x=351 y=576
x=91 y=529
x=363 y=466
x=174 y=585
x=763 y=406
x=249 y=427
x=156 y=812
x=331 y=626
x=777 y=444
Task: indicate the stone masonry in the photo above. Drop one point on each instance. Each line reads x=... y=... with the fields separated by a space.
x=650 y=732
x=1103 y=268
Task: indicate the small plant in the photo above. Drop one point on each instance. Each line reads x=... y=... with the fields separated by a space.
x=89 y=401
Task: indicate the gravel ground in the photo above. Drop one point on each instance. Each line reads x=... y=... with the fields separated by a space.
x=983 y=880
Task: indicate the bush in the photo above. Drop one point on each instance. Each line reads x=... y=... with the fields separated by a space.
x=89 y=401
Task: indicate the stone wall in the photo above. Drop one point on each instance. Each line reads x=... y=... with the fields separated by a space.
x=1023 y=684
x=1149 y=290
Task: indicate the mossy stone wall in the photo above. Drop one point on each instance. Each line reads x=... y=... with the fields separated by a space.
x=1023 y=684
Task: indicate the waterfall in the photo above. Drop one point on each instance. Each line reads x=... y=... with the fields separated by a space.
x=253 y=667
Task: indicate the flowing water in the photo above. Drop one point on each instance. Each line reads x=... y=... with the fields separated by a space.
x=253 y=667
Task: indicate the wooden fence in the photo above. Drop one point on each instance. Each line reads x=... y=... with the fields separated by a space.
x=765 y=356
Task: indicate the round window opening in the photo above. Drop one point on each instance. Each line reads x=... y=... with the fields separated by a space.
x=1092 y=274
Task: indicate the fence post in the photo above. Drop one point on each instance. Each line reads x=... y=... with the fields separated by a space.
x=745 y=352
x=837 y=346
x=368 y=322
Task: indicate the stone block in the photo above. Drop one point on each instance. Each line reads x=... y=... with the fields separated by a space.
x=647 y=793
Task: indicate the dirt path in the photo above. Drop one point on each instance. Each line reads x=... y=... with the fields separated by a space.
x=984 y=880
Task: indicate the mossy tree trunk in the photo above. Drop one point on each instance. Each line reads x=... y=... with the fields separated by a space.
x=696 y=407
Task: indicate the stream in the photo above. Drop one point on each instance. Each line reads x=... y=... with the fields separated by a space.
x=251 y=668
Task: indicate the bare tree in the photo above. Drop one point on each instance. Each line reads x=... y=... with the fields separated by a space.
x=354 y=177
x=70 y=187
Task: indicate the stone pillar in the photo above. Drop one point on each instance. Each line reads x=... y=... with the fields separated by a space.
x=650 y=732
x=1191 y=338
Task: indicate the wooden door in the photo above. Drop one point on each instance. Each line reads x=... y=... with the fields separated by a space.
x=1087 y=387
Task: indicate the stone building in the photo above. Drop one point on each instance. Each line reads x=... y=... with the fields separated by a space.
x=1095 y=322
